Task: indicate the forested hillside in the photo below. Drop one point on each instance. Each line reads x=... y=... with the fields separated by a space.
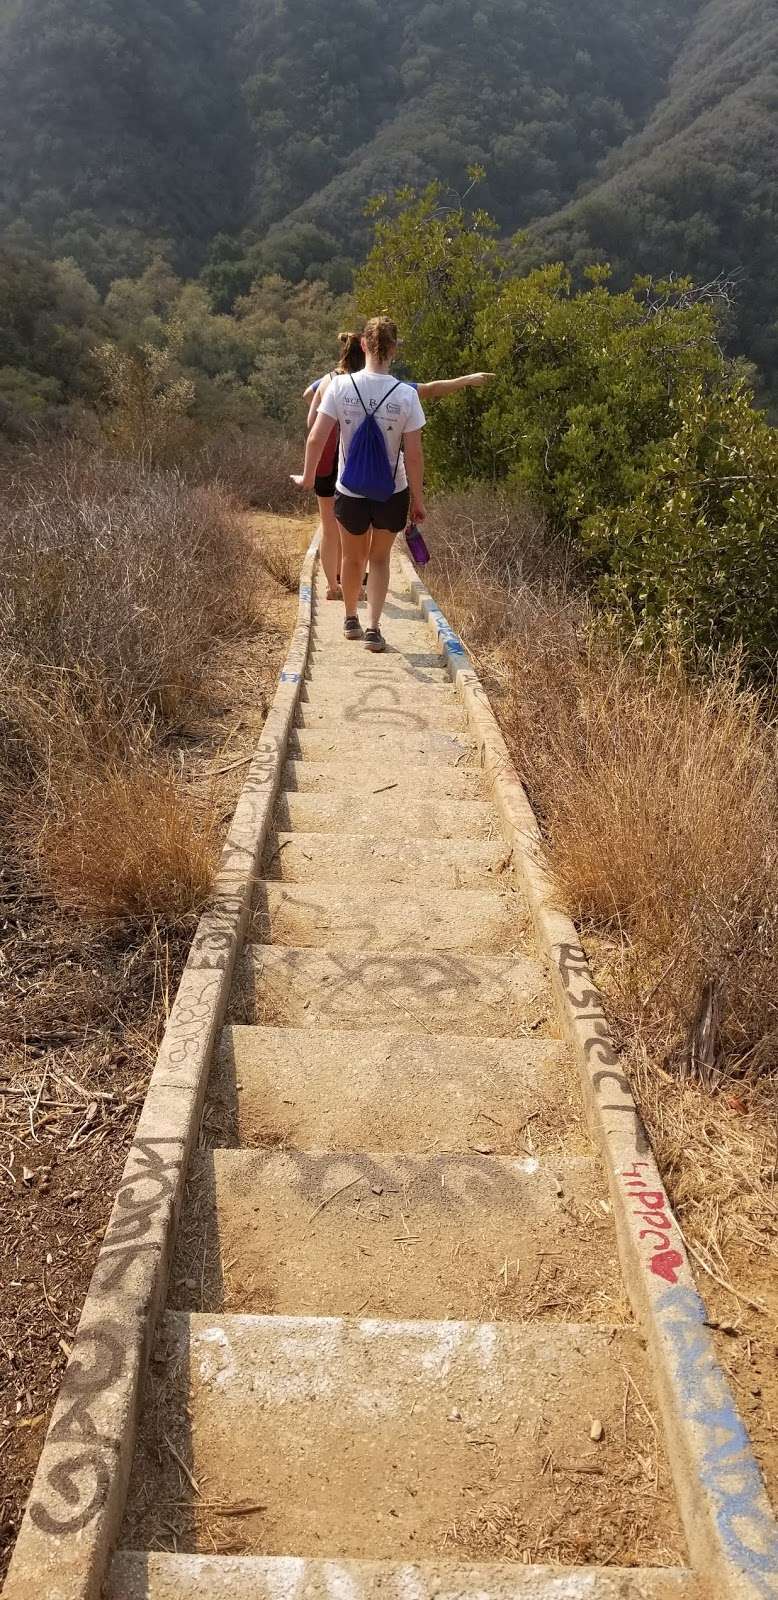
x=697 y=190
x=245 y=139
x=122 y=122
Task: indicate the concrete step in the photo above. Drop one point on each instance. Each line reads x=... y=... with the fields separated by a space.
x=338 y=916
x=431 y=863
x=354 y=660
x=416 y=992
x=373 y=775
x=397 y=1440
x=354 y=712
x=329 y=687
x=373 y=1089
x=137 y=1575
x=418 y=749
x=424 y=667
x=468 y=1236
x=388 y=815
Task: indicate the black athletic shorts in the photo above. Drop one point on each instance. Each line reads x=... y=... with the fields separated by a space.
x=356 y=515
x=325 y=487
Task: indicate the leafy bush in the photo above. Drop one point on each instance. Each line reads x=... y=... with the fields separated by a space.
x=693 y=556
x=587 y=382
x=616 y=412
x=436 y=271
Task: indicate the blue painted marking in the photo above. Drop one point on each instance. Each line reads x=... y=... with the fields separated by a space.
x=305 y=591
x=290 y=677
x=450 y=639
x=728 y=1469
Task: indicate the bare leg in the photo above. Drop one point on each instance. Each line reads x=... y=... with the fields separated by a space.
x=344 y=538
x=330 y=545
x=378 y=576
x=352 y=567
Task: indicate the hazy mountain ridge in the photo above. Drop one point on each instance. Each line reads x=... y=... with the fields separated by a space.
x=696 y=190
x=184 y=121
x=250 y=136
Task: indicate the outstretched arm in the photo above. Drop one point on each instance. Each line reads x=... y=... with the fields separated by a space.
x=317 y=439
x=444 y=386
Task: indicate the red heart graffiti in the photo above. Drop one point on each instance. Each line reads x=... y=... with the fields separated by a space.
x=665 y=1264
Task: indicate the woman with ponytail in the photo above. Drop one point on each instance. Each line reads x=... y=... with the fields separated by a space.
x=352 y=359
x=374 y=413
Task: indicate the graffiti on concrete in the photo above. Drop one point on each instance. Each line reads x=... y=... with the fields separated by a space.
x=651 y=1207
x=598 y=1047
x=727 y=1465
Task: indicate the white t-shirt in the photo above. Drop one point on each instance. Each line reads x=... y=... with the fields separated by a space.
x=401 y=413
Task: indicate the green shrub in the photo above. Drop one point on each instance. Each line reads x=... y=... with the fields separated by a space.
x=693 y=555
x=587 y=383
x=616 y=412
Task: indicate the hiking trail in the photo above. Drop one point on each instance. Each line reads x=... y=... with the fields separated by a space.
x=397 y=1352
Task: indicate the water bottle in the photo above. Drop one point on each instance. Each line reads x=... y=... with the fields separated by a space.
x=416 y=545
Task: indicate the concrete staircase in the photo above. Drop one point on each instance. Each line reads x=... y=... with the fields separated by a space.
x=397 y=1356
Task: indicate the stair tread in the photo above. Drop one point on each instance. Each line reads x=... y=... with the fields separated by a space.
x=372 y=775
x=137 y=1575
x=327 y=689
x=366 y=1437
x=386 y=814
x=345 y=1091
x=432 y=863
x=422 y=748
x=416 y=991
x=411 y=667
x=355 y=917
x=354 y=712
x=466 y=1236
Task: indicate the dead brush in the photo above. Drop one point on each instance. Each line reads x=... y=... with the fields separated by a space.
x=660 y=802
x=658 y=796
x=122 y=842
x=255 y=466
x=281 y=561
x=115 y=585
x=103 y=562
x=658 y=793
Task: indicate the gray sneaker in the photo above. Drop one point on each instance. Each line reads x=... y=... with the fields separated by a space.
x=352 y=628
x=374 y=639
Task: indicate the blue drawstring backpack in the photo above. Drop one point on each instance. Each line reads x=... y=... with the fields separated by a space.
x=368 y=472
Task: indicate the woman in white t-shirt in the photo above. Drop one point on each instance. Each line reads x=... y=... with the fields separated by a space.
x=369 y=527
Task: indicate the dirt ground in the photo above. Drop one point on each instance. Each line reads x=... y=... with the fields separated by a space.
x=81 y=1013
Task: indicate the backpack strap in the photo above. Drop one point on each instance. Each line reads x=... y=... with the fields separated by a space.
x=385 y=397
x=358 y=395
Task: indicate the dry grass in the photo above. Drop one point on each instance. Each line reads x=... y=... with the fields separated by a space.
x=658 y=795
x=116 y=584
x=255 y=466
x=126 y=842
x=659 y=798
x=280 y=559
